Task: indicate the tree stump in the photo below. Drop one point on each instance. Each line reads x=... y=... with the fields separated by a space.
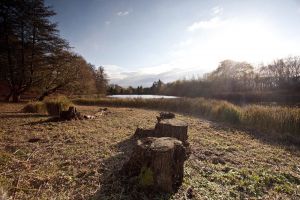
x=70 y=114
x=172 y=128
x=157 y=163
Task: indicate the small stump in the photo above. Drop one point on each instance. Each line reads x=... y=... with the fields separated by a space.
x=172 y=128
x=70 y=114
x=157 y=163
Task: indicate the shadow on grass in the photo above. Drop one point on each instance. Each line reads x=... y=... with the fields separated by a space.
x=115 y=186
x=22 y=115
x=49 y=120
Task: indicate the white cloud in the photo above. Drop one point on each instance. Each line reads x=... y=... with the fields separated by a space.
x=217 y=10
x=123 y=13
x=212 y=23
x=146 y=76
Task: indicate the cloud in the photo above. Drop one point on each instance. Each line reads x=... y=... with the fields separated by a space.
x=212 y=23
x=146 y=76
x=123 y=13
x=217 y=10
x=107 y=22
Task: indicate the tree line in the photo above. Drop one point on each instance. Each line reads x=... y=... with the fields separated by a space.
x=34 y=58
x=236 y=81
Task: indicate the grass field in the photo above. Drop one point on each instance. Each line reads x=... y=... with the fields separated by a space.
x=80 y=159
x=281 y=124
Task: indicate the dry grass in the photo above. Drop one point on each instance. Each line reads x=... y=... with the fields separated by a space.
x=280 y=123
x=79 y=159
x=51 y=106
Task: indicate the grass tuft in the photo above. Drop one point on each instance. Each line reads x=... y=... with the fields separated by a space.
x=51 y=106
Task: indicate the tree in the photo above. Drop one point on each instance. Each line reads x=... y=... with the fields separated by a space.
x=67 y=71
x=101 y=80
x=28 y=40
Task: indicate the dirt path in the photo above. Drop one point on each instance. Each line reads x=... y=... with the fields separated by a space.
x=78 y=159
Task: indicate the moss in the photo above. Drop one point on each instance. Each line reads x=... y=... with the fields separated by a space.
x=146 y=177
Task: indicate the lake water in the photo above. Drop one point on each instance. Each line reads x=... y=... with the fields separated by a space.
x=132 y=96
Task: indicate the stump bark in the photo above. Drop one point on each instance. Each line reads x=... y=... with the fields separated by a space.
x=172 y=128
x=70 y=114
x=157 y=163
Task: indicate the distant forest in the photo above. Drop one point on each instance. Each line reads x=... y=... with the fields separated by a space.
x=35 y=60
x=234 y=81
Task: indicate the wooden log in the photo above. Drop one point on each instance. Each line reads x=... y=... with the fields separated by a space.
x=172 y=128
x=157 y=163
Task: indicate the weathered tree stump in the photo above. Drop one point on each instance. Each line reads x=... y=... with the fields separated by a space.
x=157 y=163
x=172 y=128
x=70 y=114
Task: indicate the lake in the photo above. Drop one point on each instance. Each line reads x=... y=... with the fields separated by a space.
x=133 y=96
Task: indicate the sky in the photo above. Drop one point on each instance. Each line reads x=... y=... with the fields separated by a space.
x=141 y=41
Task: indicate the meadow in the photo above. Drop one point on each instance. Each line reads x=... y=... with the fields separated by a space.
x=279 y=123
x=80 y=159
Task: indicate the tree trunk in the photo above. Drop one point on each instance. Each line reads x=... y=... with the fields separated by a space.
x=16 y=96
x=172 y=128
x=7 y=98
x=158 y=163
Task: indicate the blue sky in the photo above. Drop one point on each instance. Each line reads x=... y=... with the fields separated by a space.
x=139 y=41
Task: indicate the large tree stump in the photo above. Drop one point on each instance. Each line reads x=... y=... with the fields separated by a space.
x=157 y=163
x=172 y=128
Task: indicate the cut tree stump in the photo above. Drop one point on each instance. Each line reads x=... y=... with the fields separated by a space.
x=172 y=128
x=157 y=163
x=70 y=114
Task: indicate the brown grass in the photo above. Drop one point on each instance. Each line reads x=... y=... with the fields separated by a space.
x=51 y=106
x=281 y=123
x=79 y=159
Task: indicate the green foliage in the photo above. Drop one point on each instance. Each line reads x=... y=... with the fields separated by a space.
x=281 y=121
x=51 y=106
x=146 y=177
